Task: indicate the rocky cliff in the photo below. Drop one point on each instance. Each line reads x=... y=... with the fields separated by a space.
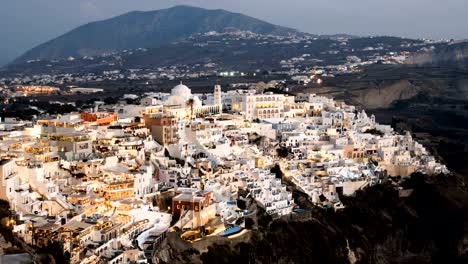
x=451 y=55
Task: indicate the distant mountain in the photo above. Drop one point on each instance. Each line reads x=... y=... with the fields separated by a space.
x=455 y=55
x=146 y=30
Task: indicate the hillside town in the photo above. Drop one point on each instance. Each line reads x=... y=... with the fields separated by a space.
x=110 y=183
x=330 y=55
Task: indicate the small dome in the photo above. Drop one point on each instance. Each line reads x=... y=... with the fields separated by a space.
x=197 y=102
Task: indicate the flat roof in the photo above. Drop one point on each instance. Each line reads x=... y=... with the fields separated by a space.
x=188 y=197
x=76 y=225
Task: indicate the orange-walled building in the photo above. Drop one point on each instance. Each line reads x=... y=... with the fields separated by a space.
x=101 y=118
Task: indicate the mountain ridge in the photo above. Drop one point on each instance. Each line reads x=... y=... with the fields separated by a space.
x=146 y=29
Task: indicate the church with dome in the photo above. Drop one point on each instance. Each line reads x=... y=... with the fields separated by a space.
x=181 y=95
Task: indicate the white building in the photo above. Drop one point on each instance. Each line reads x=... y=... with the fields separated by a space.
x=261 y=106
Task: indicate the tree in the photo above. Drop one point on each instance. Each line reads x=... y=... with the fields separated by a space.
x=79 y=103
x=190 y=102
x=249 y=223
x=282 y=152
x=54 y=250
x=277 y=171
x=110 y=100
x=5 y=213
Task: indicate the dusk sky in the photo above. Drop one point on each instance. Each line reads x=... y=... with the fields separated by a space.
x=27 y=23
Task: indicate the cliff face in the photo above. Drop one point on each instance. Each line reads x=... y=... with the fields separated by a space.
x=450 y=55
x=384 y=86
x=384 y=94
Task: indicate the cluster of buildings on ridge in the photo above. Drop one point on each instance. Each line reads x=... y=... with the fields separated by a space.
x=299 y=64
x=94 y=180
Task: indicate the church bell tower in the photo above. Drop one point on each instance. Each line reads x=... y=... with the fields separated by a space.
x=217 y=97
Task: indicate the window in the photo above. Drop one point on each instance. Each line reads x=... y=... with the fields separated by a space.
x=83 y=146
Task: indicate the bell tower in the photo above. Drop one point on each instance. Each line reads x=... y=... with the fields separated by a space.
x=217 y=101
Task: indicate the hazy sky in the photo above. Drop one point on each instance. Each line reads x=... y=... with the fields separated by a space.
x=27 y=23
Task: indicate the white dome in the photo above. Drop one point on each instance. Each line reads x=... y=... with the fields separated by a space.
x=182 y=91
x=180 y=94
